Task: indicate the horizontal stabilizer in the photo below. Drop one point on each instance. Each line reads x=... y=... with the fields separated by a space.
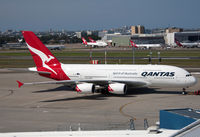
x=20 y=84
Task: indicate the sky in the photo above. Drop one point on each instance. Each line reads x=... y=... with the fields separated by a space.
x=39 y=15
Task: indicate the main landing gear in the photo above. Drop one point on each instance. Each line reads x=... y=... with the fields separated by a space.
x=184 y=92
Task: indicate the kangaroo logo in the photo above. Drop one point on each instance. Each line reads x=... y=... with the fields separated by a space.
x=49 y=59
x=84 y=41
x=45 y=59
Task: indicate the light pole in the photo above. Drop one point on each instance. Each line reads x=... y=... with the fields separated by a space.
x=150 y=55
x=106 y=55
x=159 y=58
x=90 y=53
x=133 y=49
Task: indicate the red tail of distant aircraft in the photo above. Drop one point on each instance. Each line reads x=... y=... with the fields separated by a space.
x=84 y=41
x=133 y=44
x=94 y=43
x=178 y=43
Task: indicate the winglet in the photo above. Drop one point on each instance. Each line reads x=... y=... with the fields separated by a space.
x=20 y=84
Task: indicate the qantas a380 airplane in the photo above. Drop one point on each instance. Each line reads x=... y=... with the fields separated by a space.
x=94 y=78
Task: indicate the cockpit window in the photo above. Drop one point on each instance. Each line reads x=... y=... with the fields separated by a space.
x=188 y=75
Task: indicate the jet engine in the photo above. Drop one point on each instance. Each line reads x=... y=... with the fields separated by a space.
x=85 y=88
x=117 y=88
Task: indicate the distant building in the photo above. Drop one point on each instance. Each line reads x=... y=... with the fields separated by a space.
x=148 y=38
x=158 y=30
x=137 y=30
x=182 y=37
x=108 y=37
x=134 y=30
x=121 y=40
x=78 y=34
x=141 y=29
x=101 y=34
x=171 y=30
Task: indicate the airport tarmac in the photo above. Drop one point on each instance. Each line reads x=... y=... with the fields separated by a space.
x=56 y=107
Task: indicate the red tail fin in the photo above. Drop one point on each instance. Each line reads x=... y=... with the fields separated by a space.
x=38 y=50
x=84 y=41
x=133 y=44
x=43 y=58
x=178 y=43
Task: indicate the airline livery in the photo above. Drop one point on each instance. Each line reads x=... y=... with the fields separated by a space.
x=147 y=46
x=94 y=43
x=102 y=77
x=133 y=44
x=187 y=44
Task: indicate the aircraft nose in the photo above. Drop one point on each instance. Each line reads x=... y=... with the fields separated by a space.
x=193 y=80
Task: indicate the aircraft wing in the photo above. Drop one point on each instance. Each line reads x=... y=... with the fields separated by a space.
x=96 y=82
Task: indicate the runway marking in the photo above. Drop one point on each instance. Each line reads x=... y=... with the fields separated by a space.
x=125 y=114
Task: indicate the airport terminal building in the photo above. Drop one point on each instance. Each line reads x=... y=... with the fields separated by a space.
x=166 y=39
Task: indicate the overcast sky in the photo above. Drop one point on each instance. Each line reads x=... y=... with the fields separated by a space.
x=97 y=14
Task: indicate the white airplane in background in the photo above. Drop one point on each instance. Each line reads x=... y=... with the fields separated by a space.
x=94 y=43
x=147 y=46
x=87 y=78
x=187 y=44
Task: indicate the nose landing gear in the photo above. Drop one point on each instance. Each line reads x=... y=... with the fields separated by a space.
x=184 y=92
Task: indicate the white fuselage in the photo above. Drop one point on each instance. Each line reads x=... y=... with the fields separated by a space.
x=190 y=45
x=149 y=45
x=153 y=75
x=97 y=44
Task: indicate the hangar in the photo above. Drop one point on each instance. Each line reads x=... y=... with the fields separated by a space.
x=159 y=38
x=193 y=36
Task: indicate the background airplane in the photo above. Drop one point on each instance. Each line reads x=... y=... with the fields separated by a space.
x=187 y=44
x=147 y=46
x=87 y=78
x=94 y=43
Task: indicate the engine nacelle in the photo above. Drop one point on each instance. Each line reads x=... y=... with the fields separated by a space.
x=85 y=88
x=117 y=88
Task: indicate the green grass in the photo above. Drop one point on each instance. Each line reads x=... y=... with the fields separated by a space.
x=7 y=62
x=122 y=53
x=19 y=63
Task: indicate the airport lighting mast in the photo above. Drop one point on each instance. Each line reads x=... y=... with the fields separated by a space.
x=90 y=53
x=133 y=50
x=106 y=55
